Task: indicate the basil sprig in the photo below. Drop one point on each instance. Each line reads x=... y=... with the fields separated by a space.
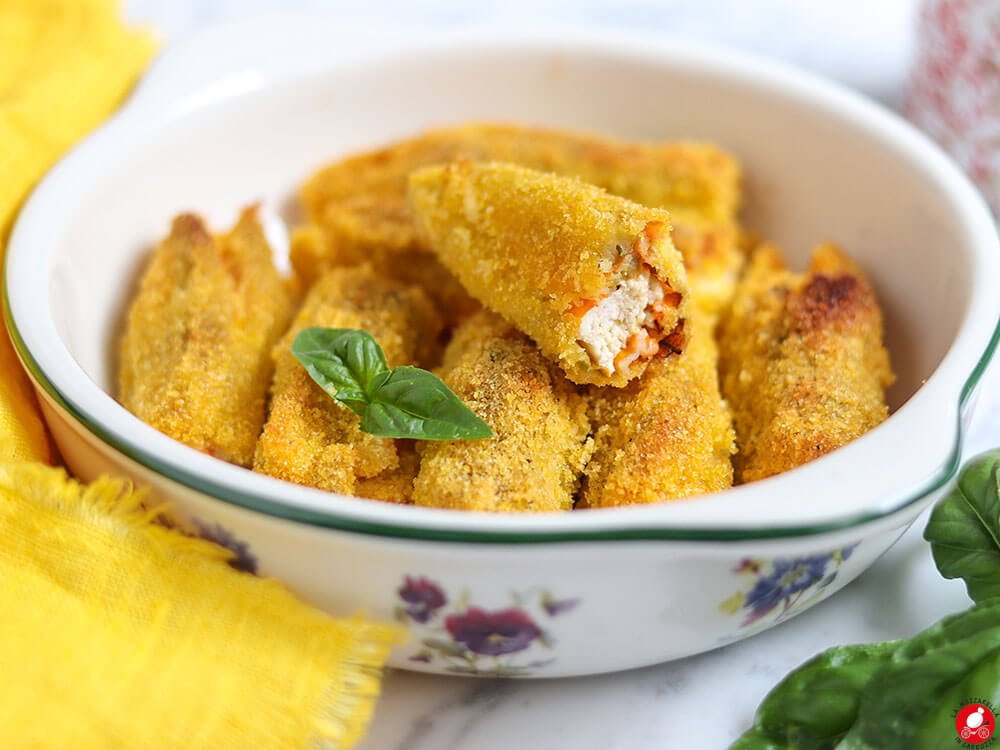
x=964 y=530
x=903 y=693
x=882 y=696
x=401 y=402
x=789 y=718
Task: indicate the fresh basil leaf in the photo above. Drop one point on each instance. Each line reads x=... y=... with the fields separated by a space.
x=984 y=617
x=815 y=706
x=980 y=681
x=918 y=680
x=345 y=362
x=414 y=403
x=405 y=402
x=964 y=529
x=884 y=695
x=758 y=739
x=904 y=693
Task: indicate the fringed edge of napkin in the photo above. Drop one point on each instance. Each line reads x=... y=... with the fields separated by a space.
x=349 y=700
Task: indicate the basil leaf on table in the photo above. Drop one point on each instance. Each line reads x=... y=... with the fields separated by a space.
x=885 y=695
x=904 y=693
x=815 y=706
x=979 y=681
x=984 y=617
x=403 y=402
x=901 y=698
x=964 y=530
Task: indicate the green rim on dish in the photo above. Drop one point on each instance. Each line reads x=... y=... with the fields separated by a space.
x=268 y=506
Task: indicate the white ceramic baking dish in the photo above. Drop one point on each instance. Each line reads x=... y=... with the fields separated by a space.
x=244 y=112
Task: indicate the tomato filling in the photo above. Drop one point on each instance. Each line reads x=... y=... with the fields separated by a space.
x=630 y=322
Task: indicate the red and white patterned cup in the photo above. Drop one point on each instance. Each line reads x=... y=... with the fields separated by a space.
x=954 y=87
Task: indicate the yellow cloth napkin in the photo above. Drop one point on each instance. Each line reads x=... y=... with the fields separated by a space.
x=118 y=632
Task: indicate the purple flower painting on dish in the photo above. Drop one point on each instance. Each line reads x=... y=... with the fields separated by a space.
x=788 y=578
x=493 y=633
x=423 y=598
x=463 y=638
x=555 y=607
x=784 y=586
x=242 y=558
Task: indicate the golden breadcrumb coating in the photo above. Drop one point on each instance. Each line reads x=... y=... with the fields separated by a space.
x=801 y=361
x=313 y=252
x=714 y=259
x=668 y=435
x=358 y=205
x=309 y=438
x=684 y=177
x=195 y=358
x=665 y=436
x=545 y=251
x=393 y=485
x=540 y=421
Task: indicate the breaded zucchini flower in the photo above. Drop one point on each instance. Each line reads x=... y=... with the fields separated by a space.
x=195 y=357
x=594 y=279
x=358 y=212
x=802 y=361
x=665 y=436
x=310 y=438
x=541 y=444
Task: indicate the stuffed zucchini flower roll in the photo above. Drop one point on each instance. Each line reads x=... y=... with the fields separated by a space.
x=195 y=357
x=540 y=423
x=802 y=361
x=593 y=279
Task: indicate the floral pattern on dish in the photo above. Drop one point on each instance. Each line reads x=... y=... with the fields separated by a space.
x=242 y=559
x=784 y=586
x=463 y=638
x=423 y=598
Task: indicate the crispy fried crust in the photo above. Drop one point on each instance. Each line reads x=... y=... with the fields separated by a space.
x=358 y=205
x=347 y=241
x=540 y=421
x=534 y=246
x=680 y=176
x=195 y=355
x=393 y=485
x=802 y=361
x=309 y=438
x=666 y=436
x=714 y=260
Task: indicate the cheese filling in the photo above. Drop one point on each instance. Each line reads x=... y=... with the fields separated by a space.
x=621 y=319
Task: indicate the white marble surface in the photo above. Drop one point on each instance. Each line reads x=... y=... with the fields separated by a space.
x=704 y=701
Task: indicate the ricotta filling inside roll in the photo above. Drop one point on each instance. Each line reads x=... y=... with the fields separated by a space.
x=616 y=330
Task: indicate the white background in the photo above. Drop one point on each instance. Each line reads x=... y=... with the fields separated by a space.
x=704 y=701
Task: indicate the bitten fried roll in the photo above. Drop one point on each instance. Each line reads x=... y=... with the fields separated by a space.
x=665 y=436
x=358 y=211
x=592 y=278
x=802 y=361
x=541 y=445
x=684 y=177
x=195 y=357
x=309 y=438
